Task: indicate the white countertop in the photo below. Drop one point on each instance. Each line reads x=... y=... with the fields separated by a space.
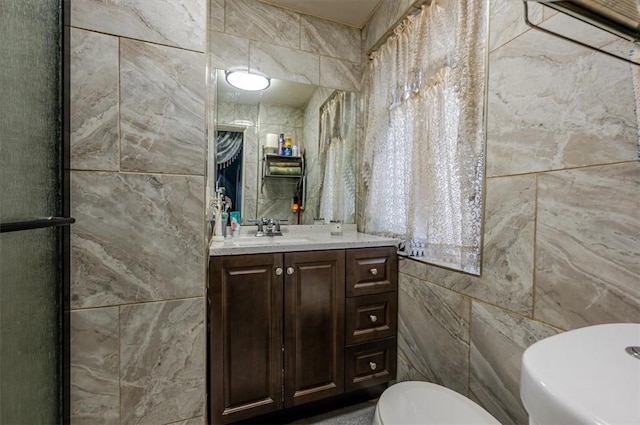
x=297 y=238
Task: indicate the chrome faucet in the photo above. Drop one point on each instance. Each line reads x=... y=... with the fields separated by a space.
x=268 y=227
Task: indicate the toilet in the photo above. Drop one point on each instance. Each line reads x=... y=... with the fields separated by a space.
x=415 y=402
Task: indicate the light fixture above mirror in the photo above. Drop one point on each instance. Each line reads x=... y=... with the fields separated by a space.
x=245 y=80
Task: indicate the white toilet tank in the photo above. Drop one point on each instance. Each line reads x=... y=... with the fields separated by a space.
x=415 y=402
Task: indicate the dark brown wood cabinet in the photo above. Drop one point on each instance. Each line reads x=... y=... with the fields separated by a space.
x=284 y=332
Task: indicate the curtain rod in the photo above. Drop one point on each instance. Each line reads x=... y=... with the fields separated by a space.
x=330 y=98
x=415 y=9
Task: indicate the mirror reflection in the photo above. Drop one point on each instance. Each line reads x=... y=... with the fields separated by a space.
x=287 y=152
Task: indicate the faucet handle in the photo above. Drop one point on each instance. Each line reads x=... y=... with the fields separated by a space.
x=260 y=222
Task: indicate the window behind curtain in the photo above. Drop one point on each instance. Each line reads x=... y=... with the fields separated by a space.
x=423 y=158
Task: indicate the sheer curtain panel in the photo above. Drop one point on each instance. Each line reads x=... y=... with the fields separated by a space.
x=423 y=158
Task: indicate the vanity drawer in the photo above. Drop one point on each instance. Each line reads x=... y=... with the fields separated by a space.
x=371 y=271
x=371 y=363
x=371 y=317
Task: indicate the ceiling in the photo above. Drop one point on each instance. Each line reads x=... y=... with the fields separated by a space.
x=350 y=12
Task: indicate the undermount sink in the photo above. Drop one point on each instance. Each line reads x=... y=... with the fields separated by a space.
x=268 y=240
x=586 y=376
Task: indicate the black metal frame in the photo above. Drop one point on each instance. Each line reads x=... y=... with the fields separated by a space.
x=65 y=240
x=36 y=224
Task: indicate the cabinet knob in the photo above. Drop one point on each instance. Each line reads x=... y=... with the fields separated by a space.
x=373 y=318
x=279 y=271
x=290 y=270
x=373 y=271
x=372 y=365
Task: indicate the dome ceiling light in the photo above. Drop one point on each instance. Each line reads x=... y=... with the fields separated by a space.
x=243 y=80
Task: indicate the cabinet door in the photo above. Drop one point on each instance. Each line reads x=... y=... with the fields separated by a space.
x=245 y=315
x=314 y=326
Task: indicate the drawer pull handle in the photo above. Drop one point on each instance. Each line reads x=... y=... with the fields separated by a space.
x=290 y=270
x=373 y=271
x=279 y=271
x=372 y=365
x=373 y=318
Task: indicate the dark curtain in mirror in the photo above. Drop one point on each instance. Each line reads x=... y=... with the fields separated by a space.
x=229 y=160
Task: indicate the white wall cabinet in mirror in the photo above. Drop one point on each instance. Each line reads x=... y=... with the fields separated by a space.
x=321 y=123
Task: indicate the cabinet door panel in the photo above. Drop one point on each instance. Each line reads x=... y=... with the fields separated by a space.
x=314 y=328
x=245 y=313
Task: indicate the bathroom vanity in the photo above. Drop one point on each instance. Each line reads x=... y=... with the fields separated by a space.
x=298 y=318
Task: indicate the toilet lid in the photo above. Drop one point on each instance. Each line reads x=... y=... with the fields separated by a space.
x=415 y=402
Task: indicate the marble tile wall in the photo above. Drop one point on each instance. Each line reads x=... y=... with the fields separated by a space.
x=138 y=188
x=561 y=246
x=284 y=44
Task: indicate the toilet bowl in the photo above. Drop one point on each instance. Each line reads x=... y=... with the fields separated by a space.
x=414 y=402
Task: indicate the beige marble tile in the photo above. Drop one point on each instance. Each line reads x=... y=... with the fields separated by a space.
x=329 y=38
x=340 y=74
x=193 y=421
x=284 y=63
x=228 y=51
x=621 y=48
x=259 y=21
x=94 y=101
x=553 y=105
x=281 y=116
x=252 y=166
x=278 y=208
x=162 y=361
x=94 y=370
x=249 y=212
x=575 y=29
x=179 y=23
x=498 y=340
x=588 y=246
x=386 y=15
x=548 y=13
x=507 y=265
x=136 y=238
x=406 y=372
x=162 y=93
x=506 y=20
x=412 y=268
x=216 y=15
x=236 y=114
x=433 y=332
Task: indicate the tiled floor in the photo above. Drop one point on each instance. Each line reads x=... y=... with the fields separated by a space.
x=357 y=414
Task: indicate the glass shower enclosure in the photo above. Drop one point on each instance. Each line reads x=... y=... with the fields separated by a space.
x=34 y=212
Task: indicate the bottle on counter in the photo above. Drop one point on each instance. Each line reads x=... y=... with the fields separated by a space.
x=281 y=144
x=288 y=144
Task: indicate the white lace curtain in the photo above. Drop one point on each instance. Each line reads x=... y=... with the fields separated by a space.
x=423 y=159
x=337 y=156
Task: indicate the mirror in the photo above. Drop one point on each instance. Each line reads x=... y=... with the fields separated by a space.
x=318 y=176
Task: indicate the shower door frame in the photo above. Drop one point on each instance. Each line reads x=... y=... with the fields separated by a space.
x=63 y=222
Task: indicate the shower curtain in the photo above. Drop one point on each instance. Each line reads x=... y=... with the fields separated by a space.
x=337 y=155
